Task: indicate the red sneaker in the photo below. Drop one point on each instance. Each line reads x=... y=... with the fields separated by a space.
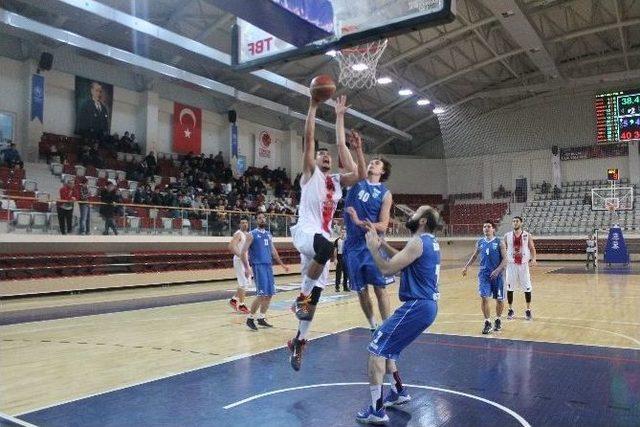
x=296 y=347
x=234 y=304
x=243 y=309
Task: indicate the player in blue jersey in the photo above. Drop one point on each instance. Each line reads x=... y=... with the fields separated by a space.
x=419 y=262
x=259 y=249
x=367 y=203
x=493 y=260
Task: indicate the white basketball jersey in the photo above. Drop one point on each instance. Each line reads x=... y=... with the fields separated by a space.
x=524 y=247
x=318 y=202
x=243 y=238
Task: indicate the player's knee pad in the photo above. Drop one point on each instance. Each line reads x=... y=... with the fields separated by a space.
x=323 y=249
x=527 y=296
x=510 y=297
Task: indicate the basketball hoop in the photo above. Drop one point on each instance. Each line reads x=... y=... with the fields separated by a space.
x=358 y=64
x=612 y=204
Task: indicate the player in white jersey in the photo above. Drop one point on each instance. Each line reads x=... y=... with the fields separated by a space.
x=520 y=252
x=321 y=192
x=235 y=246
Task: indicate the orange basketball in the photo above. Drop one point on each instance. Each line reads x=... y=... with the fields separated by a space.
x=322 y=88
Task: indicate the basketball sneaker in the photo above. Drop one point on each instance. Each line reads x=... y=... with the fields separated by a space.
x=252 y=324
x=527 y=315
x=234 y=304
x=511 y=314
x=371 y=416
x=395 y=399
x=243 y=309
x=497 y=325
x=487 y=327
x=296 y=347
x=301 y=307
x=263 y=322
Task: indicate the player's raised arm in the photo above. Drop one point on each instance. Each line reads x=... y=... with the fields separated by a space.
x=402 y=259
x=343 y=151
x=359 y=169
x=309 y=161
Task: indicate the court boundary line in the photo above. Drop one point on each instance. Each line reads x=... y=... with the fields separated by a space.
x=551 y=342
x=162 y=377
x=7 y=417
x=503 y=408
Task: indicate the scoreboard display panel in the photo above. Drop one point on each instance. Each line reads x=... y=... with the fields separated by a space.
x=618 y=116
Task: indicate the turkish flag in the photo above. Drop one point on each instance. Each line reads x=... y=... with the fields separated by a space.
x=187 y=129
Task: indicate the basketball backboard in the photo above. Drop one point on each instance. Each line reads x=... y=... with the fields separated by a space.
x=354 y=22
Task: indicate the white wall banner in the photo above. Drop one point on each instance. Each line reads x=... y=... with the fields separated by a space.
x=265 y=149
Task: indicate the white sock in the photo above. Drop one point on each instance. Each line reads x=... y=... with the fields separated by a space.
x=303 y=329
x=372 y=322
x=486 y=319
x=251 y=316
x=392 y=381
x=308 y=284
x=259 y=316
x=376 y=393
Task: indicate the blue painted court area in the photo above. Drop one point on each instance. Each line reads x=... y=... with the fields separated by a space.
x=455 y=381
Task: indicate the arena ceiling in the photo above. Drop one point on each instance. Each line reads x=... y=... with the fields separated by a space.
x=495 y=53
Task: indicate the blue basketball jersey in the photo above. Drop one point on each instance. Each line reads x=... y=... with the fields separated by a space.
x=260 y=249
x=420 y=278
x=490 y=256
x=366 y=198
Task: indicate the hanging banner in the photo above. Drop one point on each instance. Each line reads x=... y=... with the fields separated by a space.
x=233 y=139
x=187 y=129
x=264 y=149
x=37 y=97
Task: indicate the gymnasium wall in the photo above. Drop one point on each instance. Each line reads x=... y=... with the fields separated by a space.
x=486 y=150
x=487 y=172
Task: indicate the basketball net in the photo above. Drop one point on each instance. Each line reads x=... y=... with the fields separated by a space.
x=358 y=64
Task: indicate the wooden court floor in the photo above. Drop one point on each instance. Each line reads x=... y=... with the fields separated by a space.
x=49 y=362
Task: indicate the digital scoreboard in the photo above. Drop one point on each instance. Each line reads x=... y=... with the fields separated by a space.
x=618 y=116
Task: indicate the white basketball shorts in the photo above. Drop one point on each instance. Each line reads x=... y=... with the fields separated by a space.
x=238 y=266
x=518 y=275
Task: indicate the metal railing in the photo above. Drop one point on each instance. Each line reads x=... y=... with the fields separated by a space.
x=33 y=215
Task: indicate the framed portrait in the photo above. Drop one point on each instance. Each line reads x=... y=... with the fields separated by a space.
x=94 y=107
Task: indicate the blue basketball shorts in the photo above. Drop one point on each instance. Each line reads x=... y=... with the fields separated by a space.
x=491 y=288
x=265 y=283
x=405 y=325
x=362 y=269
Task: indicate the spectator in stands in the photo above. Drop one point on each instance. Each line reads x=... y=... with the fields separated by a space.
x=108 y=209
x=125 y=142
x=134 y=146
x=218 y=161
x=85 y=209
x=12 y=157
x=53 y=152
x=556 y=192
x=545 y=187
x=65 y=207
x=151 y=164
